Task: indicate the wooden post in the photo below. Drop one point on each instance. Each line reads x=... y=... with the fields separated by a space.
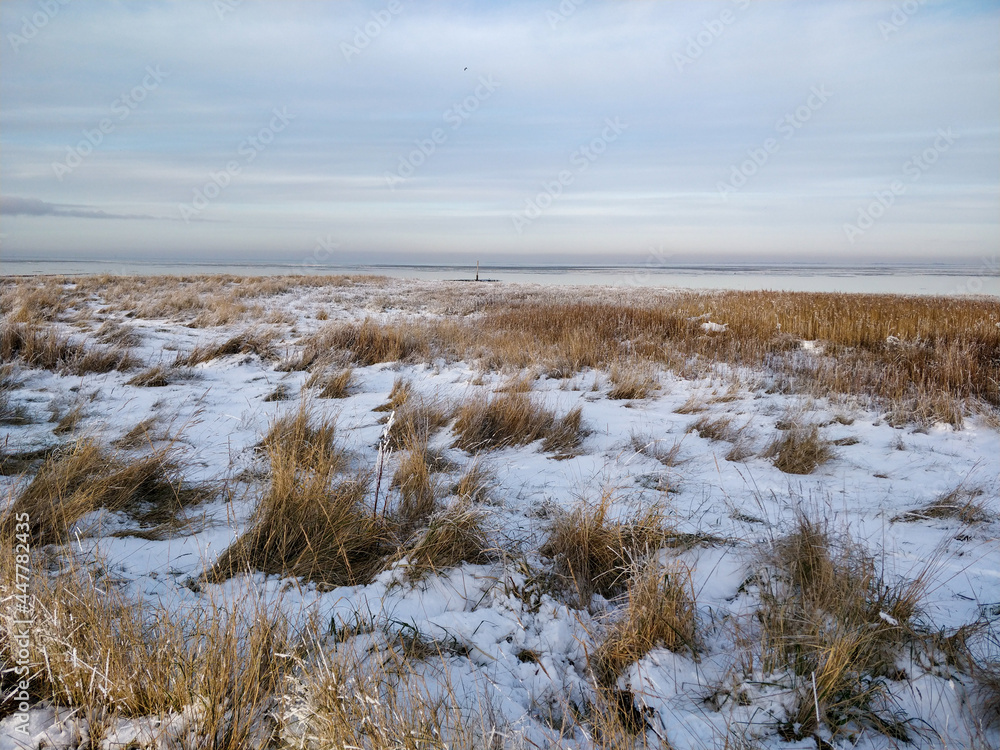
x=477 y=270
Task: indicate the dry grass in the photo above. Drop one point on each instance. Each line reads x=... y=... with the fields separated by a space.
x=475 y=483
x=417 y=487
x=68 y=422
x=961 y=504
x=453 y=535
x=85 y=476
x=11 y=413
x=402 y=390
x=656 y=449
x=661 y=613
x=141 y=435
x=312 y=522
x=303 y=438
x=595 y=552
x=418 y=418
x=157 y=376
x=249 y=342
x=719 y=429
x=118 y=334
x=355 y=700
x=515 y=419
x=332 y=384
x=633 y=381
x=829 y=614
x=44 y=348
x=107 y=657
x=799 y=450
x=922 y=358
x=367 y=343
x=986 y=690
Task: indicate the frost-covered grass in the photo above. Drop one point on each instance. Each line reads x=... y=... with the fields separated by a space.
x=604 y=519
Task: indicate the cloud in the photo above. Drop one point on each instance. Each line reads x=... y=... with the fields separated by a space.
x=12 y=205
x=410 y=100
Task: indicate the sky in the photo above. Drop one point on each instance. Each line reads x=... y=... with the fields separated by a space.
x=560 y=131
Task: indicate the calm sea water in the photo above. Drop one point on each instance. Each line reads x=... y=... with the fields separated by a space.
x=897 y=279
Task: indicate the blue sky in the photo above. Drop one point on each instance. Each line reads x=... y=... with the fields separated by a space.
x=519 y=131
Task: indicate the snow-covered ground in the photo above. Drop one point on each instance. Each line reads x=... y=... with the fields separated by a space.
x=878 y=473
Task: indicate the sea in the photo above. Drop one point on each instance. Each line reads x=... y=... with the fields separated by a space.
x=895 y=278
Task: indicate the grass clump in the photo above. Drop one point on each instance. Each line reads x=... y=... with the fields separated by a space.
x=719 y=429
x=656 y=449
x=661 y=613
x=312 y=522
x=511 y=419
x=417 y=417
x=829 y=615
x=109 y=657
x=475 y=484
x=632 y=382
x=596 y=553
x=417 y=487
x=44 y=348
x=332 y=384
x=961 y=504
x=799 y=450
x=157 y=376
x=85 y=476
x=453 y=535
x=249 y=342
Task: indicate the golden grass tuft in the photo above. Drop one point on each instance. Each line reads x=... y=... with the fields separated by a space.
x=656 y=449
x=46 y=349
x=511 y=419
x=661 y=613
x=828 y=613
x=85 y=476
x=107 y=657
x=799 y=450
x=332 y=384
x=367 y=343
x=417 y=419
x=632 y=381
x=475 y=483
x=453 y=535
x=118 y=334
x=365 y=700
x=401 y=392
x=718 y=429
x=249 y=342
x=312 y=522
x=417 y=488
x=961 y=504
x=156 y=376
x=594 y=552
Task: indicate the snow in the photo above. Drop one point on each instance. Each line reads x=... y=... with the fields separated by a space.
x=220 y=416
